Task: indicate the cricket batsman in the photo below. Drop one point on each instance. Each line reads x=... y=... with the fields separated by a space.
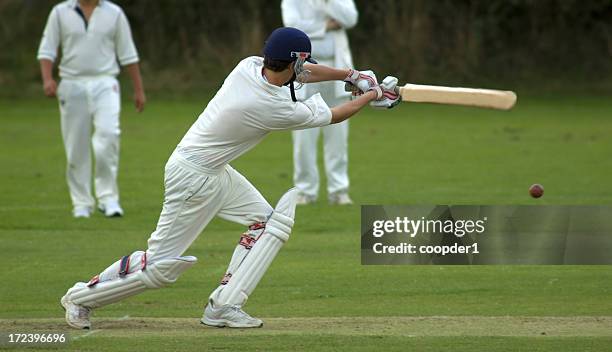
x=200 y=184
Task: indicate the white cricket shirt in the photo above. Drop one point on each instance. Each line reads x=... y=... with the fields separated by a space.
x=88 y=48
x=243 y=112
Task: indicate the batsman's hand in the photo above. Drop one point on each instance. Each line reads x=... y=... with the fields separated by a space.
x=390 y=94
x=361 y=81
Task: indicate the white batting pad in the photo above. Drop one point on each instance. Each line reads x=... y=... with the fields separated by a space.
x=135 y=262
x=155 y=275
x=250 y=272
x=247 y=241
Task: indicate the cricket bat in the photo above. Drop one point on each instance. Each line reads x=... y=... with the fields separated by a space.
x=481 y=98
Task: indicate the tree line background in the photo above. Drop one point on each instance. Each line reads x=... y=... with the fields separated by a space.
x=188 y=45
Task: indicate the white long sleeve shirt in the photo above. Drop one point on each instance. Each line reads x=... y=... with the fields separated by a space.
x=91 y=48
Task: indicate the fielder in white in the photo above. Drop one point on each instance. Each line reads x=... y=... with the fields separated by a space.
x=200 y=184
x=93 y=36
x=325 y=22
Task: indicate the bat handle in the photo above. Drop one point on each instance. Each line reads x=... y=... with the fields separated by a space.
x=350 y=87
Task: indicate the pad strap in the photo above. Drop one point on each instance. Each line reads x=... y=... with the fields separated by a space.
x=158 y=274
x=124 y=266
x=247 y=241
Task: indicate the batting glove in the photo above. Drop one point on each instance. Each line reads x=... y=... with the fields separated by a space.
x=358 y=82
x=390 y=94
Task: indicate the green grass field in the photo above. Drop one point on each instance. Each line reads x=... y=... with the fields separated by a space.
x=316 y=295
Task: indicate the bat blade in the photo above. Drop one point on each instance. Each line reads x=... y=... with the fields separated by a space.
x=482 y=98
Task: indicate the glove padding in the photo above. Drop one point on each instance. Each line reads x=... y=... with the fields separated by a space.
x=360 y=81
x=390 y=96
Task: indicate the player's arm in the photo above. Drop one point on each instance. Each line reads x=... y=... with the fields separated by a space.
x=322 y=73
x=46 y=71
x=350 y=108
x=133 y=71
x=128 y=58
x=363 y=80
x=342 y=13
x=47 y=53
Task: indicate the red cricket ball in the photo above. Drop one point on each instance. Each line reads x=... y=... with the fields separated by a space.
x=536 y=190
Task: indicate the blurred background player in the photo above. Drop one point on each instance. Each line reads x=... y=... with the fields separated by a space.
x=325 y=22
x=93 y=35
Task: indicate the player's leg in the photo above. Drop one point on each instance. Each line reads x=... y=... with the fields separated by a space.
x=305 y=170
x=133 y=274
x=336 y=162
x=244 y=205
x=107 y=106
x=252 y=256
x=191 y=200
x=335 y=152
x=76 y=132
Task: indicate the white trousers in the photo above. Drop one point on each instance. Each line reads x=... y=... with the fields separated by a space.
x=86 y=104
x=193 y=197
x=335 y=149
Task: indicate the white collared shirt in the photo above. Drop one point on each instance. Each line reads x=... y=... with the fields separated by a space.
x=243 y=112
x=88 y=48
x=311 y=16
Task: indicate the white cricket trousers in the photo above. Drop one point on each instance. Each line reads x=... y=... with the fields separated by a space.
x=193 y=197
x=335 y=149
x=86 y=104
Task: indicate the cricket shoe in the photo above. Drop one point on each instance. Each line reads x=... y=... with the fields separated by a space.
x=76 y=316
x=304 y=199
x=81 y=212
x=111 y=209
x=228 y=315
x=340 y=199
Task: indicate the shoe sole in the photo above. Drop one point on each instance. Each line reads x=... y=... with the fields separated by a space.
x=113 y=215
x=66 y=316
x=226 y=324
